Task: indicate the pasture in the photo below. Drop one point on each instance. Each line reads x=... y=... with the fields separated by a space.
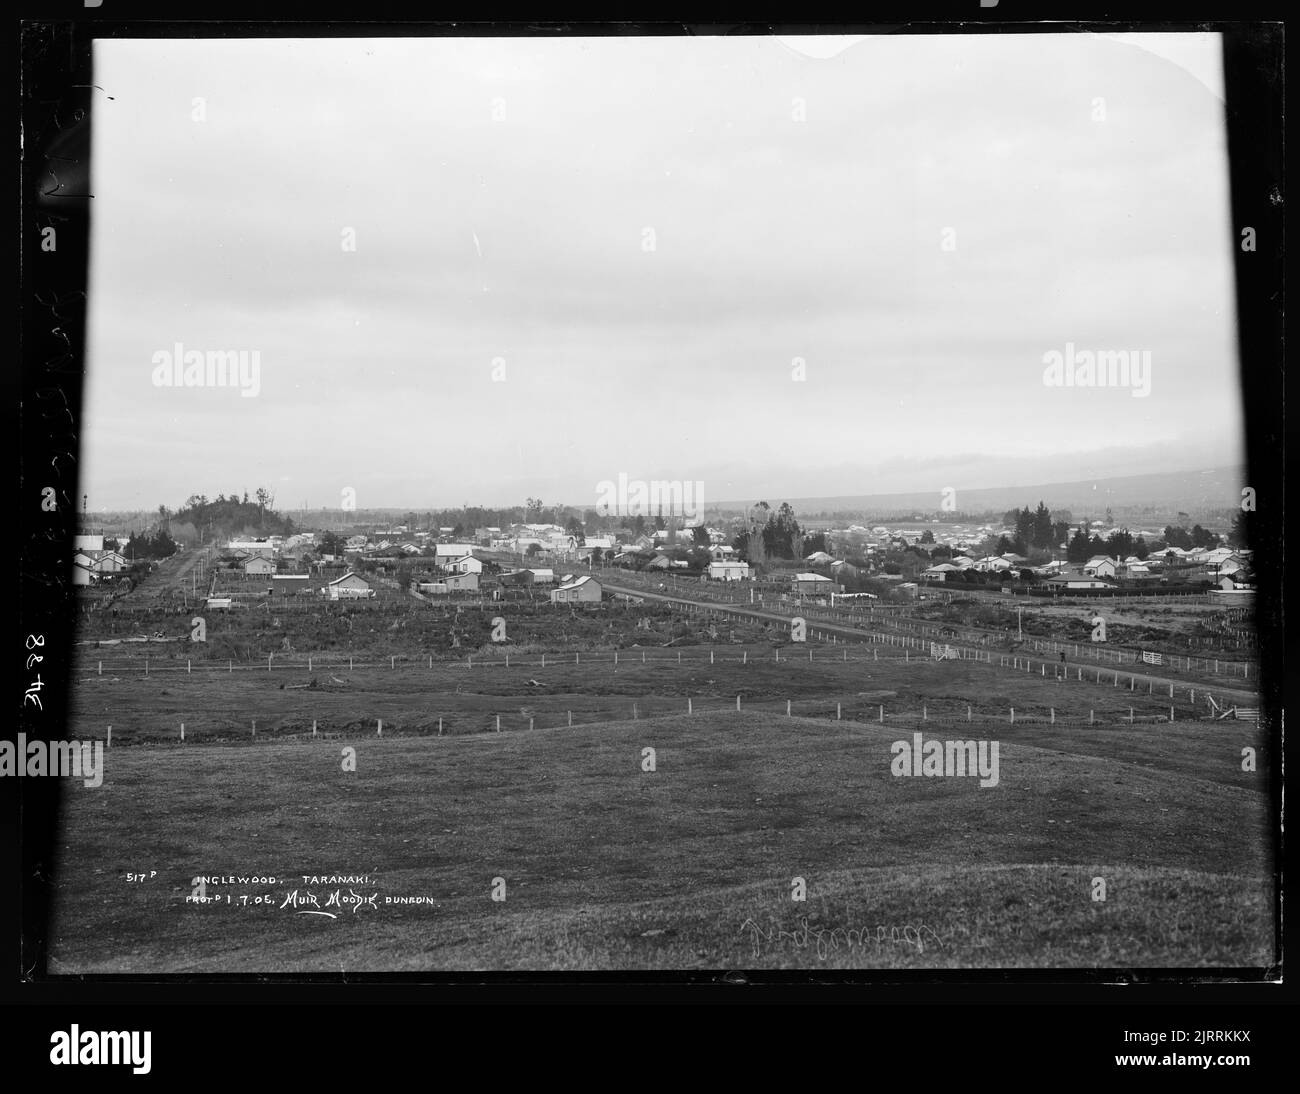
x=603 y=864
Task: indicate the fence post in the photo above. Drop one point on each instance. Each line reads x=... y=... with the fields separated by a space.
x=439 y=727
x=313 y=727
x=1090 y=713
x=737 y=702
x=530 y=723
x=679 y=657
x=187 y=665
x=268 y=661
x=882 y=712
x=543 y=660
x=1171 y=714
x=498 y=723
x=146 y=666
x=110 y=736
x=837 y=712
x=254 y=729
x=689 y=707
x=1130 y=715
x=744 y=657
x=1013 y=715
x=182 y=732
x=230 y=666
x=968 y=712
x=379 y=731
x=1053 y=719
x=392 y=662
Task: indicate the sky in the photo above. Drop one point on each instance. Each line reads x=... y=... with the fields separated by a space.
x=475 y=271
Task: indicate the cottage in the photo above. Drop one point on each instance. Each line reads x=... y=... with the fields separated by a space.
x=939 y=572
x=814 y=585
x=728 y=571
x=819 y=558
x=461 y=583
x=84 y=575
x=257 y=565
x=722 y=553
x=467 y=565
x=542 y=577
x=1075 y=581
x=584 y=590
x=88 y=543
x=1099 y=566
x=350 y=586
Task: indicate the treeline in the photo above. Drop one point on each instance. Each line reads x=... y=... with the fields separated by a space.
x=225 y=516
x=147 y=545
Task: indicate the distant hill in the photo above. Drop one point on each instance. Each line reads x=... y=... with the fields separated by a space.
x=1196 y=493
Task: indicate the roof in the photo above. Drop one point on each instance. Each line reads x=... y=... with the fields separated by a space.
x=581 y=581
x=349 y=574
x=813 y=577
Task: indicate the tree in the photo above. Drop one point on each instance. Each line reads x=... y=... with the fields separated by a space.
x=329 y=544
x=1080 y=546
x=533 y=550
x=1040 y=532
x=1239 y=536
x=1140 y=549
x=927 y=536
x=700 y=536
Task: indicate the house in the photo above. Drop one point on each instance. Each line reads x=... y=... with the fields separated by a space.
x=584 y=590
x=721 y=553
x=88 y=543
x=1138 y=569
x=84 y=575
x=814 y=585
x=263 y=547
x=461 y=582
x=444 y=554
x=1076 y=581
x=1099 y=566
x=542 y=577
x=819 y=558
x=659 y=562
x=257 y=565
x=467 y=565
x=518 y=577
x=350 y=586
x=939 y=572
x=728 y=571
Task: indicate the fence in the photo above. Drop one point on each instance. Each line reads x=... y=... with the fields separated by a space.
x=937 y=715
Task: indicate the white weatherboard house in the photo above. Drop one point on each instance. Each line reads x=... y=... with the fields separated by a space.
x=349 y=587
x=88 y=543
x=467 y=565
x=584 y=590
x=728 y=571
x=258 y=565
x=1100 y=566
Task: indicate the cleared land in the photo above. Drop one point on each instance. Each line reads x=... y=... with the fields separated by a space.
x=606 y=865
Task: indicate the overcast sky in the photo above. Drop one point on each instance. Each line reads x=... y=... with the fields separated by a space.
x=801 y=204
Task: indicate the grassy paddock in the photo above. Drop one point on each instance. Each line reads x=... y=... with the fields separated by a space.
x=607 y=865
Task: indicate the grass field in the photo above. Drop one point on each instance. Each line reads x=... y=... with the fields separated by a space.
x=606 y=865
x=411 y=698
